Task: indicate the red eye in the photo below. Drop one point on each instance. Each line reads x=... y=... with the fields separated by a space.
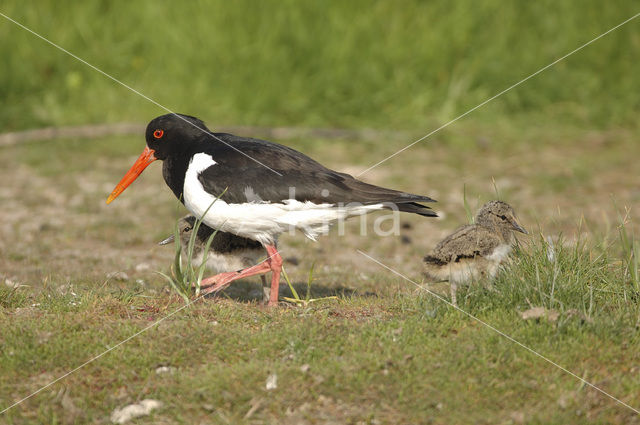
x=158 y=134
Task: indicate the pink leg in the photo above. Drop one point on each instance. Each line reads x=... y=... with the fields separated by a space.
x=273 y=263
x=221 y=280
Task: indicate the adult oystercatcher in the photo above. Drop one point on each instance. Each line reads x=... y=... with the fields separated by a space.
x=226 y=253
x=476 y=250
x=261 y=189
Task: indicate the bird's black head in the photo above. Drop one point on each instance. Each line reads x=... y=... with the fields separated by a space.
x=168 y=135
x=173 y=133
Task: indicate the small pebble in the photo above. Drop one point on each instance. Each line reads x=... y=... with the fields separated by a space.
x=272 y=382
x=125 y=414
x=165 y=369
x=12 y=284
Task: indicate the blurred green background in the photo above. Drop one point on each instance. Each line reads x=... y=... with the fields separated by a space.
x=408 y=65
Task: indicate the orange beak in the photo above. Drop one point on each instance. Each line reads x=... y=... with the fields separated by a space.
x=143 y=161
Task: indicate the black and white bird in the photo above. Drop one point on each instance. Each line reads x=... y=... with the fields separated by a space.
x=227 y=252
x=261 y=189
x=476 y=250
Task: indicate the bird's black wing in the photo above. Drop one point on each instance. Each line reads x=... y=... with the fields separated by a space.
x=283 y=173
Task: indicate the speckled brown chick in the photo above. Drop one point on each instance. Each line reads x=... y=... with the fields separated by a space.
x=474 y=251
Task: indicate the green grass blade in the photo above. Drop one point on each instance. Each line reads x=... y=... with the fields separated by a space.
x=309 y=280
x=293 y=290
x=467 y=208
x=175 y=287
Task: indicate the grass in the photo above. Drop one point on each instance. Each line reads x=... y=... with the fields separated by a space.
x=342 y=64
x=187 y=278
x=630 y=252
x=295 y=297
x=402 y=358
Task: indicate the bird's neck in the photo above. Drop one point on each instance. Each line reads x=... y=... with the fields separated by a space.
x=174 y=169
x=507 y=235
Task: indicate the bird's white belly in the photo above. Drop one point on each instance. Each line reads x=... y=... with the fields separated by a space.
x=257 y=220
x=500 y=253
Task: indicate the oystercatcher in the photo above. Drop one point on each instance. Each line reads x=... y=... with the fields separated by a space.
x=226 y=253
x=475 y=250
x=256 y=189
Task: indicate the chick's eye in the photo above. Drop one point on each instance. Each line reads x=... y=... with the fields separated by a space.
x=504 y=217
x=158 y=134
x=187 y=229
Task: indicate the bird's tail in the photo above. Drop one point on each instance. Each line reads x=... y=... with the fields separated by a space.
x=416 y=208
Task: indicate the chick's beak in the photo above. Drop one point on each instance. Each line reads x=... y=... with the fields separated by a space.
x=143 y=161
x=517 y=227
x=167 y=241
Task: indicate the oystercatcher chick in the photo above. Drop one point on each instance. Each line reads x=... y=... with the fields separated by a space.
x=226 y=253
x=256 y=189
x=474 y=251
